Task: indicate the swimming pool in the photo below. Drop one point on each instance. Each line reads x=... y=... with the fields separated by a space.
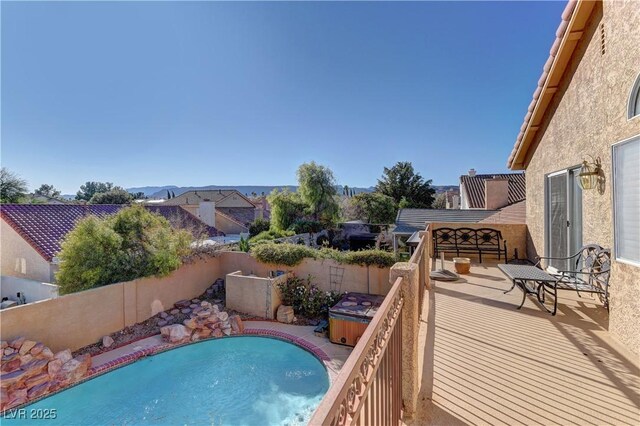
x=231 y=381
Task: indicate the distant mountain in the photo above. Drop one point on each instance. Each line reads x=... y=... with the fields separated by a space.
x=161 y=191
x=444 y=188
x=157 y=192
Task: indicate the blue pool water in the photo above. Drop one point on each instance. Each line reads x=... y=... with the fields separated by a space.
x=233 y=381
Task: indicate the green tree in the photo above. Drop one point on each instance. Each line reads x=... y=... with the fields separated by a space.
x=286 y=208
x=402 y=182
x=257 y=226
x=441 y=201
x=89 y=189
x=116 y=195
x=317 y=188
x=373 y=207
x=138 y=195
x=12 y=187
x=131 y=244
x=47 y=191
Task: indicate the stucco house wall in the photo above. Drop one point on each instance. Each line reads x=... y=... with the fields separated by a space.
x=588 y=117
x=19 y=259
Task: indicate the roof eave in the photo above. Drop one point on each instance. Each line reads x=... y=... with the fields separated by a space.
x=569 y=34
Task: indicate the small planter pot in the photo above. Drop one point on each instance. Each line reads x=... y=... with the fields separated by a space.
x=462 y=265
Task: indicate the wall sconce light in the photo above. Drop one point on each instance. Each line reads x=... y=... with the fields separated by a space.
x=590 y=174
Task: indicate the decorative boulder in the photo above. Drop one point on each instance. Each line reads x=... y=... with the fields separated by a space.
x=26 y=347
x=17 y=342
x=176 y=333
x=37 y=349
x=285 y=314
x=237 y=327
x=74 y=369
x=64 y=356
x=54 y=367
x=107 y=341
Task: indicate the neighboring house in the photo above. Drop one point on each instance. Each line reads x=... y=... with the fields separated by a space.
x=225 y=209
x=410 y=221
x=586 y=112
x=31 y=234
x=452 y=197
x=491 y=191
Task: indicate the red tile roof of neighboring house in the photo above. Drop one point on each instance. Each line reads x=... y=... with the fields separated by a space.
x=573 y=22
x=474 y=188
x=515 y=213
x=44 y=226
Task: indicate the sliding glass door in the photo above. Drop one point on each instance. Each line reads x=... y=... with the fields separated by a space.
x=563 y=218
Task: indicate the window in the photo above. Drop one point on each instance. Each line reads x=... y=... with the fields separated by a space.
x=626 y=200
x=634 y=99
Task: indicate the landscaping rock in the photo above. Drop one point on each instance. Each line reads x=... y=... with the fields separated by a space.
x=107 y=341
x=54 y=367
x=17 y=397
x=217 y=333
x=13 y=365
x=46 y=353
x=162 y=323
x=37 y=349
x=38 y=390
x=203 y=313
x=34 y=367
x=26 y=347
x=17 y=342
x=9 y=351
x=176 y=333
x=237 y=326
x=37 y=380
x=196 y=301
x=64 y=356
x=186 y=311
x=193 y=305
x=285 y=314
x=74 y=369
x=181 y=304
x=223 y=316
x=25 y=359
x=174 y=311
x=3 y=344
x=8 y=379
x=163 y=314
x=227 y=331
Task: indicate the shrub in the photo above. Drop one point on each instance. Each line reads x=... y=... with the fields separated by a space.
x=243 y=245
x=292 y=254
x=322 y=240
x=282 y=254
x=306 y=298
x=258 y=226
x=131 y=244
x=380 y=258
x=270 y=235
x=303 y=226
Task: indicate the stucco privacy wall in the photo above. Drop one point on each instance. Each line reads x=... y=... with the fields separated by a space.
x=514 y=234
x=82 y=318
x=325 y=273
x=21 y=260
x=587 y=116
x=258 y=296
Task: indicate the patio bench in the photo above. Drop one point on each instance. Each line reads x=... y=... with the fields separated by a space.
x=589 y=272
x=468 y=240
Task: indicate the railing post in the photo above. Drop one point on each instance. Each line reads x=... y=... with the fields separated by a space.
x=410 y=326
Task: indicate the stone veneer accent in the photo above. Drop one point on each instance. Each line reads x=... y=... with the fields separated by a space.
x=587 y=116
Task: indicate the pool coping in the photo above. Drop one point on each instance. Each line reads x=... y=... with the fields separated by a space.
x=134 y=356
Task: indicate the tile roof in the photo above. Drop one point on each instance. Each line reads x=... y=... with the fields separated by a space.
x=242 y=215
x=514 y=213
x=474 y=188
x=409 y=221
x=44 y=226
x=573 y=22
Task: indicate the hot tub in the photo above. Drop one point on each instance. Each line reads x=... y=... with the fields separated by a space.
x=349 y=318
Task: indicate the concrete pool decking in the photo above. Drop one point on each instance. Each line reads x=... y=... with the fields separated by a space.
x=333 y=356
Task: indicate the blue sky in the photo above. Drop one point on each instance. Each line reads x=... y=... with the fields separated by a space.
x=242 y=93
